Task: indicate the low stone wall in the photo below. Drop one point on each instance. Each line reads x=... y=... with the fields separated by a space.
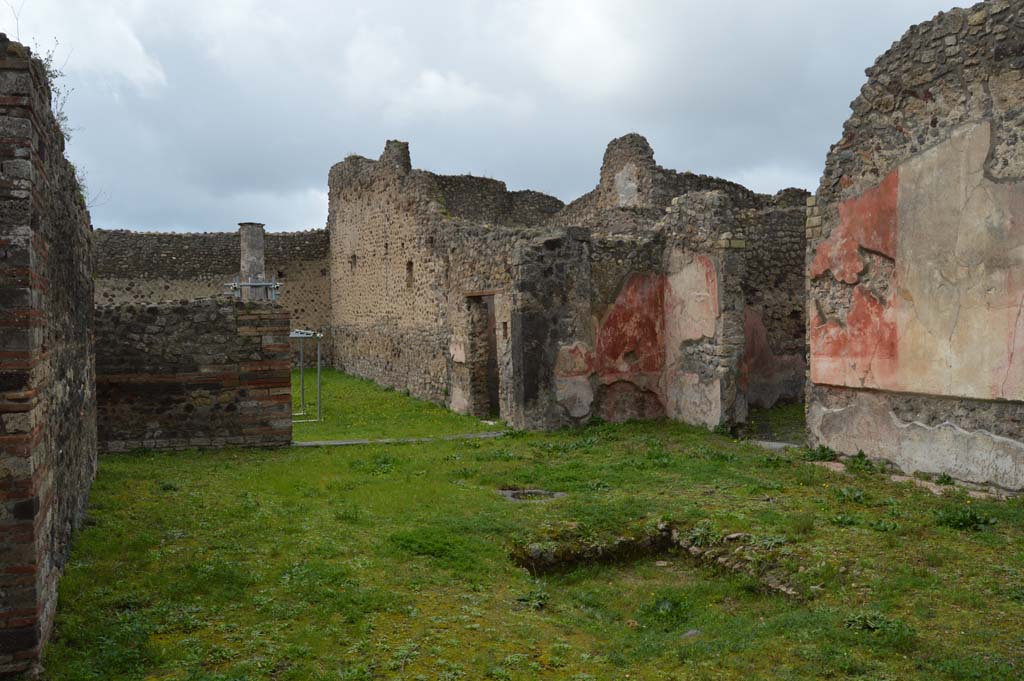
x=152 y=267
x=47 y=380
x=200 y=373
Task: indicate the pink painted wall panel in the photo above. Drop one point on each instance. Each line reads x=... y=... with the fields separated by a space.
x=947 y=317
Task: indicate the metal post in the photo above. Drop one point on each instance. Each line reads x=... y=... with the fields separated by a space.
x=302 y=375
x=303 y=334
x=319 y=411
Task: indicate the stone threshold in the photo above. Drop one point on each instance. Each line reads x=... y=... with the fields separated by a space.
x=773 y=446
x=399 y=440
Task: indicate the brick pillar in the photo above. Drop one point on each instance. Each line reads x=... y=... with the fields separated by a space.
x=253 y=264
x=21 y=339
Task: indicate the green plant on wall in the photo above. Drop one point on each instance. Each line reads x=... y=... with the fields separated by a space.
x=60 y=91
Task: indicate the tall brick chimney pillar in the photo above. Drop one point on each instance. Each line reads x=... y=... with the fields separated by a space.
x=253 y=265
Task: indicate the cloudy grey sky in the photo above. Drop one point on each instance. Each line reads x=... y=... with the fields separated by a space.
x=198 y=114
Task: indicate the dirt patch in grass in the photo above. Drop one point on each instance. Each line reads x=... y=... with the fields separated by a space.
x=516 y=494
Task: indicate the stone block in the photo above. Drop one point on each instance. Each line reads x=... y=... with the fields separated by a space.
x=12 y=126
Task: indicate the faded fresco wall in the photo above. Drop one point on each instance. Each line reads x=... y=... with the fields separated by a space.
x=616 y=306
x=686 y=320
x=916 y=265
x=210 y=372
x=634 y=362
x=47 y=360
x=610 y=355
x=636 y=366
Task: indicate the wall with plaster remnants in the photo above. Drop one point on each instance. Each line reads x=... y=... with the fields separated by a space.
x=916 y=256
x=695 y=308
x=638 y=300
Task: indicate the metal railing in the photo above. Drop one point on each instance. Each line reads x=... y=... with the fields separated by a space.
x=304 y=335
x=235 y=287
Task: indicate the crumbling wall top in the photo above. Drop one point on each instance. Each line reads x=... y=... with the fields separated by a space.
x=959 y=66
x=396 y=157
x=634 y=191
x=122 y=253
x=452 y=197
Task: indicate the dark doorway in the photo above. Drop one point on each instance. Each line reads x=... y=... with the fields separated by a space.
x=483 y=357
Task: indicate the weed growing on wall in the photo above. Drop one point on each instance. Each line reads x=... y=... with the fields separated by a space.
x=60 y=91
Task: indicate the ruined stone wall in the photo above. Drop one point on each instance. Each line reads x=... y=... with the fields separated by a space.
x=202 y=373
x=705 y=343
x=633 y=191
x=645 y=286
x=551 y=327
x=387 y=284
x=471 y=277
x=150 y=267
x=915 y=256
x=487 y=201
x=47 y=381
x=628 y=303
x=612 y=357
x=649 y=335
x=299 y=261
x=407 y=246
x=695 y=298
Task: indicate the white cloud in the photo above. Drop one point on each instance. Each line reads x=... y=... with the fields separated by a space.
x=452 y=93
x=586 y=47
x=95 y=39
x=286 y=211
x=770 y=178
x=385 y=71
x=374 y=58
x=199 y=113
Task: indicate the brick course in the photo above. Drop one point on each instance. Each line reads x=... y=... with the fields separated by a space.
x=200 y=373
x=47 y=363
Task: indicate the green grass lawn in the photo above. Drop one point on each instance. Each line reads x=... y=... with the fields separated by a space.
x=392 y=562
x=357 y=409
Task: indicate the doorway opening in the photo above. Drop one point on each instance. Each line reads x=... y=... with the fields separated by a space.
x=482 y=358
